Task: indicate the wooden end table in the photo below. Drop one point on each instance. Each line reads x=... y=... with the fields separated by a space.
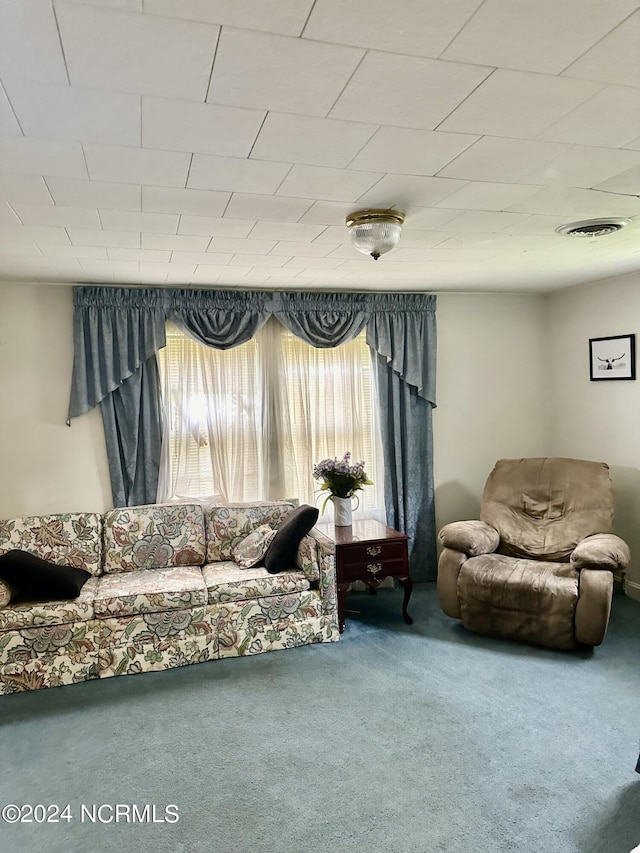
x=369 y=551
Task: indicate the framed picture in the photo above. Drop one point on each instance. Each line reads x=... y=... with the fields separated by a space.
x=612 y=358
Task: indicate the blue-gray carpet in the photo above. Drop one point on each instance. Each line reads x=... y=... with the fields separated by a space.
x=398 y=739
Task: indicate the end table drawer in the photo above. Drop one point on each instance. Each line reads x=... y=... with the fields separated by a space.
x=374 y=569
x=374 y=552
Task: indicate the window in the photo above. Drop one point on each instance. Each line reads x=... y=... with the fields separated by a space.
x=249 y=423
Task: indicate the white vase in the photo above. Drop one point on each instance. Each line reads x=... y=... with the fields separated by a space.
x=343 y=512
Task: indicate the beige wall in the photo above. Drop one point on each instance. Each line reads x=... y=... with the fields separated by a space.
x=512 y=381
x=491 y=393
x=598 y=420
x=45 y=466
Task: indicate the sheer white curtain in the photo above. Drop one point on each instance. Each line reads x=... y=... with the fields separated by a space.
x=249 y=423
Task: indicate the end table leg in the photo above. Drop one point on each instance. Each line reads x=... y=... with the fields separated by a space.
x=407 y=585
x=342 y=590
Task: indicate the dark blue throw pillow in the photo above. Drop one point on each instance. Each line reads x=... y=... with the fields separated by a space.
x=281 y=554
x=36 y=579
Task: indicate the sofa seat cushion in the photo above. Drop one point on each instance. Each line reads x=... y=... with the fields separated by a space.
x=149 y=591
x=528 y=600
x=226 y=581
x=36 y=614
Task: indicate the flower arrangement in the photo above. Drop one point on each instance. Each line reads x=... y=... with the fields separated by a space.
x=340 y=478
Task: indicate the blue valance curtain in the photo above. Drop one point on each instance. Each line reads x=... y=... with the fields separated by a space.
x=117 y=332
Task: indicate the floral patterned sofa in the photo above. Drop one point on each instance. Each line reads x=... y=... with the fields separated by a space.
x=164 y=592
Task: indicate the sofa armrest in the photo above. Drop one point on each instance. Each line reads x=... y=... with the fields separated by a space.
x=326 y=553
x=601 y=551
x=470 y=537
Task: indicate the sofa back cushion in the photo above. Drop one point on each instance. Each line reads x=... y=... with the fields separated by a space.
x=67 y=539
x=228 y=525
x=542 y=507
x=153 y=536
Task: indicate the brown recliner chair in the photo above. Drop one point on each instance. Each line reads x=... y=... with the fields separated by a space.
x=538 y=567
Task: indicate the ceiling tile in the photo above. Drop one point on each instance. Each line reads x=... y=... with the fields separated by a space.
x=11 y=253
x=8 y=123
x=130 y=52
x=544 y=36
x=625 y=183
x=482 y=220
x=32 y=234
x=308 y=250
x=110 y=266
x=334 y=234
x=329 y=184
x=427 y=218
x=502 y=160
x=285 y=231
x=315 y=263
x=175 y=242
x=25 y=189
x=173 y=125
x=578 y=203
x=408 y=92
x=411 y=152
x=63 y=112
x=246 y=247
x=278 y=208
x=217 y=259
x=518 y=104
x=610 y=118
x=128 y=220
x=32 y=23
x=278 y=16
x=422 y=28
x=137 y=165
x=211 y=226
x=310 y=141
x=41 y=157
x=234 y=174
x=485 y=195
x=583 y=166
x=66 y=217
x=174 y=200
x=614 y=59
x=62 y=251
x=262 y=262
x=538 y=224
x=279 y=73
x=403 y=191
x=328 y=213
x=125 y=239
x=72 y=193
x=146 y=255
x=8 y=215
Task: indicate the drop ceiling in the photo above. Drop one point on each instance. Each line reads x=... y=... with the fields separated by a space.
x=222 y=143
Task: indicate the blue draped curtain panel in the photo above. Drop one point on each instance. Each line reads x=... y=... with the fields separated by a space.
x=118 y=331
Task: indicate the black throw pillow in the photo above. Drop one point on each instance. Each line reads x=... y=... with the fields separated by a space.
x=281 y=554
x=38 y=580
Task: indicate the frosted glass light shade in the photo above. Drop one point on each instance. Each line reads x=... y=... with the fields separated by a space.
x=374 y=232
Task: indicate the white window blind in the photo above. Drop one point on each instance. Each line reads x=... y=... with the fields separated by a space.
x=249 y=423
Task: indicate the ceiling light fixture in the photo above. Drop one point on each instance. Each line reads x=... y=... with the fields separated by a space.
x=374 y=232
x=593 y=227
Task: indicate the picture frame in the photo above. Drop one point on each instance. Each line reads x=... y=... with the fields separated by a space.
x=613 y=357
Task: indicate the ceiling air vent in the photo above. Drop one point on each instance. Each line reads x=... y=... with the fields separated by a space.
x=592 y=227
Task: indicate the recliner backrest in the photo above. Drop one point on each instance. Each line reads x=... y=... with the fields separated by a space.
x=542 y=507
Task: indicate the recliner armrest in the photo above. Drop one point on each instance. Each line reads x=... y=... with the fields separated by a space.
x=601 y=551
x=470 y=537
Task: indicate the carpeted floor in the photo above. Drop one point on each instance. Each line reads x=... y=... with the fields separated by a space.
x=398 y=739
